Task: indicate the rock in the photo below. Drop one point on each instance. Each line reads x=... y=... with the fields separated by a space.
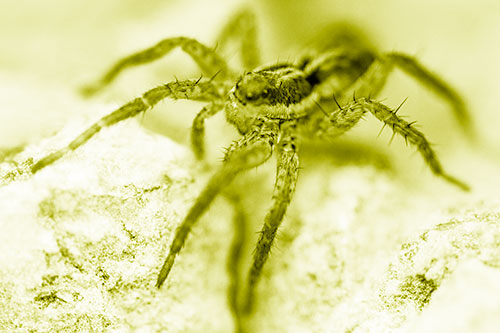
x=83 y=239
x=465 y=302
x=359 y=250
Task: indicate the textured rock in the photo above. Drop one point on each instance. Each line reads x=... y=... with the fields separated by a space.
x=83 y=239
x=465 y=302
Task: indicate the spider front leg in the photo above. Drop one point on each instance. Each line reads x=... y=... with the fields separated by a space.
x=199 y=90
x=208 y=60
x=284 y=187
x=411 y=135
x=198 y=128
x=250 y=151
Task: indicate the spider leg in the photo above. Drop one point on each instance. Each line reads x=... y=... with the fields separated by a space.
x=425 y=77
x=198 y=128
x=411 y=135
x=243 y=29
x=341 y=119
x=240 y=222
x=367 y=81
x=203 y=90
x=250 y=151
x=286 y=178
x=208 y=60
x=373 y=80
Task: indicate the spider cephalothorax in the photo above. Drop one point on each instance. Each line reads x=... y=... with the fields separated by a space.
x=273 y=107
x=272 y=92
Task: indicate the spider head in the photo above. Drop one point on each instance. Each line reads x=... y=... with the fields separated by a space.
x=270 y=93
x=249 y=99
x=253 y=88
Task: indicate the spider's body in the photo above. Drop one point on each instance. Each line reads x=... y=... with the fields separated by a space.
x=273 y=107
x=276 y=93
x=291 y=91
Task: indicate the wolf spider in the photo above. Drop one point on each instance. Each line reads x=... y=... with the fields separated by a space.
x=273 y=107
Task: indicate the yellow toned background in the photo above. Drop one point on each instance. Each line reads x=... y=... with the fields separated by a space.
x=50 y=48
x=59 y=45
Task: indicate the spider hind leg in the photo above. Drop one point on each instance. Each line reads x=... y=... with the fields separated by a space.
x=430 y=80
x=242 y=29
x=234 y=259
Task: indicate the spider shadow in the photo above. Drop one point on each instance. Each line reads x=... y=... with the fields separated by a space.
x=343 y=152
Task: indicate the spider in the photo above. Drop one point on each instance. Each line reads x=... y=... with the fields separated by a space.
x=273 y=107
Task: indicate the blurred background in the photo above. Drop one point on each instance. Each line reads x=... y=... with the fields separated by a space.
x=50 y=48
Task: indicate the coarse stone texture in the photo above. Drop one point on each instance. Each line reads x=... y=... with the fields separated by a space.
x=83 y=239
x=363 y=248
x=359 y=250
x=465 y=302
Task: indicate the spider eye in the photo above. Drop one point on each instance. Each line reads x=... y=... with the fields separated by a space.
x=251 y=96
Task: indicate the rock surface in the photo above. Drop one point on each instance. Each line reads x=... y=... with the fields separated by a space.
x=83 y=240
x=359 y=251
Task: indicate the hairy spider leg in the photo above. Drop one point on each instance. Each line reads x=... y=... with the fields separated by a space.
x=319 y=124
x=198 y=90
x=250 y=151
x=369 y=85
x=424 y=76
x=372 y=81
x=410 y=134
x=242 y=28
x=333 y=119
x=198 y=128
x=284 y=187
x=207 y=59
